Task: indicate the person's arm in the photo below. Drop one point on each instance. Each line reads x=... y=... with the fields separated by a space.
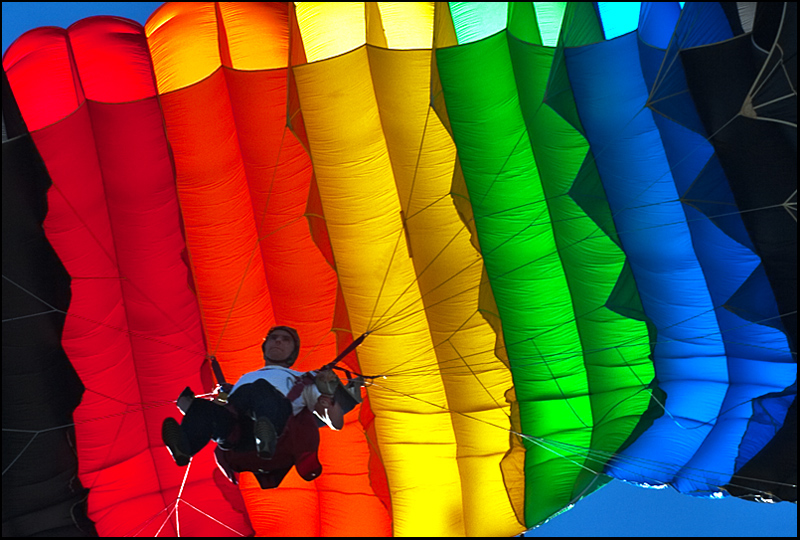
x=329 y=412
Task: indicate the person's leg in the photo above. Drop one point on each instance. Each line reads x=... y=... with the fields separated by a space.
x=259 y=399
x=203 y=422
x=269 y=409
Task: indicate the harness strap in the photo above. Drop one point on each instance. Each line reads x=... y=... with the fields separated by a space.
x=217 y=369
x=304 y=380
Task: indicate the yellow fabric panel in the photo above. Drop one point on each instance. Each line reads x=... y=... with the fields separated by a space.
x=448 y=270
x=317 y=20
x=257 y=34
x=374 y=26
x=396 y=25
x=362 y=212
x=406 y=25
x=189 y=41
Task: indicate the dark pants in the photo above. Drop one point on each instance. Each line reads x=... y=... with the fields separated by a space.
x=206 y=420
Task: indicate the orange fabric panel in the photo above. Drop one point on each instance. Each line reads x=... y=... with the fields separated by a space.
x=244 y=181
x=221 y=235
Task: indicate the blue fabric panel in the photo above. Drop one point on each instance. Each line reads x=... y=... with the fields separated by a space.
x=712 y=363
x=657 y=21
x=689 y=357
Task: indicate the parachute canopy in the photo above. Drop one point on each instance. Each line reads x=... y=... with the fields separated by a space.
x=573 y=244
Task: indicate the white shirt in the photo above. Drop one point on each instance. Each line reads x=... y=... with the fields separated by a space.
x=283 y=379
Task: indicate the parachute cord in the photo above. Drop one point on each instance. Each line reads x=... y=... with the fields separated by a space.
x=142 y=406
x=95 y=322
x=173 y=510
x=33 y=314
x=630 y=343
x=571 y=452
x=111 y=259
x=535 y=440
x=19 y=455
x=407 y=207
x=385 y=279
x=788 y=205
x=697 y=423
x=472 y=372
x=377 y=325
x=180 y=497
x=662 y=69
x=456 y=366
x=37 y=432
x=209 y=516
x=756 y=87
x=428 y=206
x=396 y=318
x=563 y=394
x=350 y=348
x=522 y=134
x=419 y=156
x=147 y=522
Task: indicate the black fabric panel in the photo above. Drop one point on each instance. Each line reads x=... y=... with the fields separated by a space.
x=758 y=151
x=41 y=492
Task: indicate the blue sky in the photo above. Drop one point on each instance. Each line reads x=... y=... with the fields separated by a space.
x=617 y=509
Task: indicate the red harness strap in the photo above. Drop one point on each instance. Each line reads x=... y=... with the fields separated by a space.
x=306 y=379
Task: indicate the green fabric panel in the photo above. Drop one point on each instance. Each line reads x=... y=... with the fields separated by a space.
x=580 y=369
x=523 y=264
x=616 y=352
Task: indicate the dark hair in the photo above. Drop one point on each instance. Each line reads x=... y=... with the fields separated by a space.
x=295 y=336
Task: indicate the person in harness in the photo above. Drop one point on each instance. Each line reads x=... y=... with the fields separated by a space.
x=270 y=422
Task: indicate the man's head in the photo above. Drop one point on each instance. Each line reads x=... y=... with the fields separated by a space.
x=281 y=346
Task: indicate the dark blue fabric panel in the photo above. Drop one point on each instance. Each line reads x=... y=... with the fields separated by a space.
x=758 y=358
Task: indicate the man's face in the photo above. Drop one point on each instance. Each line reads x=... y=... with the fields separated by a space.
x=278 y=347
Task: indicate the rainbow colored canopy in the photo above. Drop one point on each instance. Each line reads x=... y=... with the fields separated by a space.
x=573 y=244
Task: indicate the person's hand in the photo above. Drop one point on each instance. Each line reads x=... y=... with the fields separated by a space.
x=329 y=411
x=325 y=401
x=326 y=381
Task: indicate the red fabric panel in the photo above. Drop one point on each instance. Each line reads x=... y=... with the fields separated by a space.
x=133 y=331
x=40 y=53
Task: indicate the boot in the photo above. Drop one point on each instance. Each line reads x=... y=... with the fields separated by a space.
x=185 y=400
x=173 y=439
x=266 y=438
